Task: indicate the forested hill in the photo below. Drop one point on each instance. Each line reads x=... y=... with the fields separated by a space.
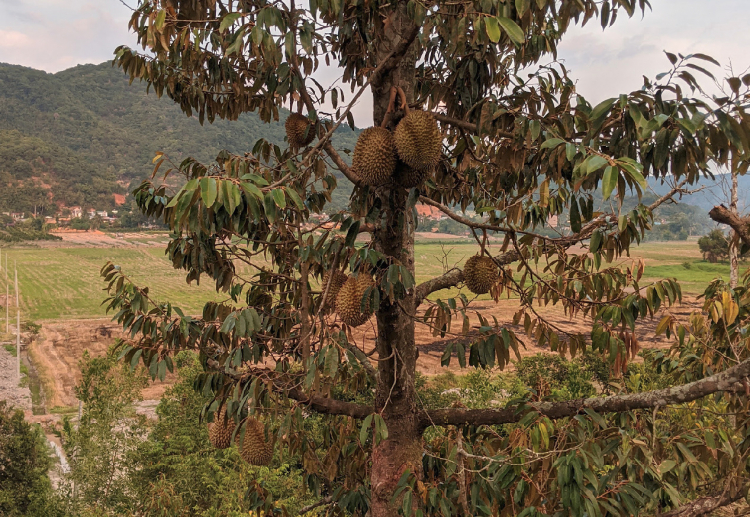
x=91 y=113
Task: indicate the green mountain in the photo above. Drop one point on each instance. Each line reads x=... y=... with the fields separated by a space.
x=80 y=135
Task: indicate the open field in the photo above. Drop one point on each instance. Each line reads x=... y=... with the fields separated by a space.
x=61 y=288
x=63 y=282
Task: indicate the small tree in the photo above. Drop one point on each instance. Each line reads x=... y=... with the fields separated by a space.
x=714 y=246
x=25 y=488
x=519 y=149
x=100 y=445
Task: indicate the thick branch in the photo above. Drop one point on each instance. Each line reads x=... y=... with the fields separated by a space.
x=325 y=405
x=330 y=406
x=724 y=381
x=706 y=505
x=723 y=215
x=455 y=276
x=395 y=56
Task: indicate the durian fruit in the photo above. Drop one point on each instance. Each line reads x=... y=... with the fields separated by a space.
x=337 y=283
x=374 y=157
x=299 y=130
x=418 y=140
x=409 y=177
x=254 y=449
x=220 y=430
x=480 y=274
x=349 y=300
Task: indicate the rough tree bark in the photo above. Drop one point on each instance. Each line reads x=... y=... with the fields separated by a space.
x=395 y=398
x=723 y=215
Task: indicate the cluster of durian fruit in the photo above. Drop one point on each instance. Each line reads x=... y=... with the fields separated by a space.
x=347 y=293
x=409 y=155
x=254 y=449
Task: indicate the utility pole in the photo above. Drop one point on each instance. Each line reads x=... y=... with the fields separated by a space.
x=18 y=330
x=18 y=344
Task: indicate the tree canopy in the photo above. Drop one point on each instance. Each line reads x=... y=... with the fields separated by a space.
x=518 y=145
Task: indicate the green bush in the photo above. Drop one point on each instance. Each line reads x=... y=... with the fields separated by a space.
x=25 y=488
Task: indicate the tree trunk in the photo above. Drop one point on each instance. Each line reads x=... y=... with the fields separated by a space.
x=395 y=398
x=734 y=238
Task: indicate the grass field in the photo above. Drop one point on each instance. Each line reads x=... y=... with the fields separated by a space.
x=64 y=283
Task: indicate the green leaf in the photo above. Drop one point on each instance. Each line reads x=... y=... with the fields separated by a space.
x=609 y=182
x=596 y=241
x=575 y=216
x=365 y=429
x=278 y=197
x=228 y=20
x=602 y=108
x=552 y=143
x=160 y=19
x=522 y=6
x=512 y=29
x=208 y=191
x=493 y=29
x=294 y=197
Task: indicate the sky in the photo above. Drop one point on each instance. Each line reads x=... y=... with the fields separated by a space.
x=53 y=35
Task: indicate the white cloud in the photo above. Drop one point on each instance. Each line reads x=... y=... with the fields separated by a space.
x=56 y=34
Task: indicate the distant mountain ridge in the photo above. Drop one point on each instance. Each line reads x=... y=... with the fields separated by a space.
x=92 y=114
x=78 y=136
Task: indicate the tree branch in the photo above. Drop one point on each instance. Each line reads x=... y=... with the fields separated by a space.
x=705 y=505
x=323 y=502
x=724 y=381
x=324 y=405
x=395 y=56
x=453 y=277
x=467 y=126
x=723 y=215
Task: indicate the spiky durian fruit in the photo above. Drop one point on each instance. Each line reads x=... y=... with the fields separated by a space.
x=349 y=300
x=374 y=157
x=299 y=130
x=220 y=430
x=418 y=140
x=254 y=449
x=337 y=279
x=480 y=274
x=409 y=177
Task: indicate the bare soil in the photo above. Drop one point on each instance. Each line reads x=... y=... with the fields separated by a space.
x=59 y=349
x=61 y=344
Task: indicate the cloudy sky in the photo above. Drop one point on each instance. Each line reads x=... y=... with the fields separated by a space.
x=53 y=35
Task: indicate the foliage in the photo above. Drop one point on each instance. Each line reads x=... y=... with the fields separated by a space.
x=178 y=472
x=24 y=231
x=714 y=246
x=100 y=446
x=25 y=488
x=554 y=377
x=518 y=150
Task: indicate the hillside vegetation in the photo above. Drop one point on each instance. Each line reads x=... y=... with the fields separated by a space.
x=70 y=137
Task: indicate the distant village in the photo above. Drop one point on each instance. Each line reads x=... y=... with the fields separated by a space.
x=78 y=217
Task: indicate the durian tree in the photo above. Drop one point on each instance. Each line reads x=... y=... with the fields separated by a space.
x=471 y=111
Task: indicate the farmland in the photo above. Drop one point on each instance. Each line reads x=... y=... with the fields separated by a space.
x=61 y=289
x=60 y=283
